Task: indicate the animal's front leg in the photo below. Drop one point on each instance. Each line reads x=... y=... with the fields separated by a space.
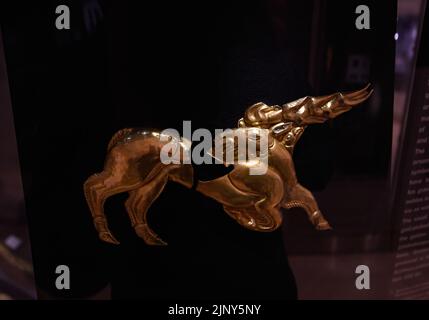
x=300 y=197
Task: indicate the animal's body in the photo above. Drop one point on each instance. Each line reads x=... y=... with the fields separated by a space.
x=133 y=165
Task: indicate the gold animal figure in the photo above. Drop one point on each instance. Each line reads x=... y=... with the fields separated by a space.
x=255 y=201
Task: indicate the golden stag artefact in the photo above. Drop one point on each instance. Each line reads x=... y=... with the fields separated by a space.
x=133 y=165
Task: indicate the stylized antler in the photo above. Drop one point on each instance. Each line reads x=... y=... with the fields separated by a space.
x=310 y=110
x=288 y=122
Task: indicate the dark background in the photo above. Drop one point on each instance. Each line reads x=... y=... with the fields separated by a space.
x=157 y=64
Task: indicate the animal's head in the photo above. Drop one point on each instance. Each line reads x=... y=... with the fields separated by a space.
x=287 y=122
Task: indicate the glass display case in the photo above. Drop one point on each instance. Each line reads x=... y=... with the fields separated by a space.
x=80 y=78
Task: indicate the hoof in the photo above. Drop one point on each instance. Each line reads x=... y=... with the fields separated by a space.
x=149 y=236
x=319 y=221
x=108 y=237
x=323 y=226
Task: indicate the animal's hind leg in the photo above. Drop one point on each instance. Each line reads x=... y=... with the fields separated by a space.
x=303 y=198
x=138 y=204
x=94 y=189
x=97 y=189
